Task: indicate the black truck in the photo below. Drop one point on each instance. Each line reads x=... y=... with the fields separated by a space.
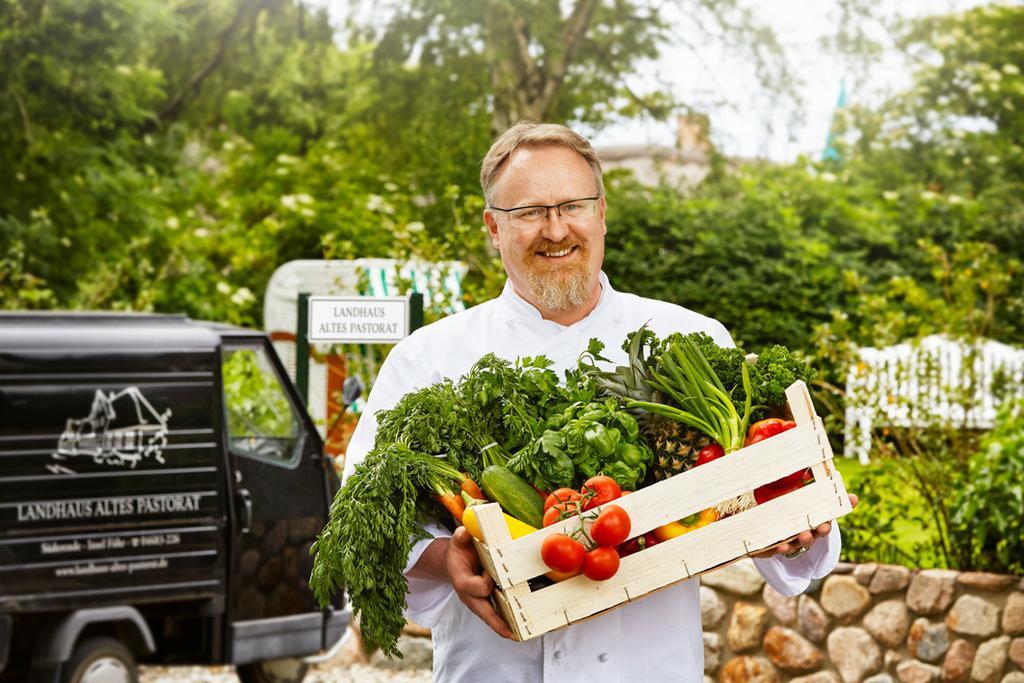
x=160 y=487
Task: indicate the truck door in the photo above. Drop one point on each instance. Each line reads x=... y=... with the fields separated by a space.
x=280 y=501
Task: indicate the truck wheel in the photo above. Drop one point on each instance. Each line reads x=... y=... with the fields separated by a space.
x=100 y=660
x=286 y=670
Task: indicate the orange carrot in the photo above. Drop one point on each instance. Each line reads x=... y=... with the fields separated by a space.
x=453 y=503
x=470 y=487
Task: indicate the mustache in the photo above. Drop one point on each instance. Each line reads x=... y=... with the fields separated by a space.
x=547 y=245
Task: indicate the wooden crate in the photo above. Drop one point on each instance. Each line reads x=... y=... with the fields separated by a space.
x=512 y=563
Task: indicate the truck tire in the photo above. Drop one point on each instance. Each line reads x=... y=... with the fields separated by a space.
x=100 y=660
x=286 y=670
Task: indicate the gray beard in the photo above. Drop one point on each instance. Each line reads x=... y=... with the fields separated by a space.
x=559 y=291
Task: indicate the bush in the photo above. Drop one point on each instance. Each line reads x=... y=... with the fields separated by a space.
x=988 y=513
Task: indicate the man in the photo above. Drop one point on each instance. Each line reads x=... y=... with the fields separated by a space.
x=546 y=216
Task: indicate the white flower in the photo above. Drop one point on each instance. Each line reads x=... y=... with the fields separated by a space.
x=172 y=223
x=303 y=198
x=992 y=159
x=242 y=296
x=307 y=212
x=890 y=195
x=201 y=232
x=1010 y=69
x=928 y=195
x=223 y=288
x=282 y=171
x=415 y=226
x=124 y=69
x=955 y=199
x=374 y=202
x=228 y=145
x=289 y=201
x=286 y=159
x=390 y=187
x=828 y=177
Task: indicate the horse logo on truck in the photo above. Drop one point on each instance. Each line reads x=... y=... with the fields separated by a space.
x=121 y=430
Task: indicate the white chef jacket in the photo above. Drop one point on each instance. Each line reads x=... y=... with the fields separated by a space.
x=656 y=638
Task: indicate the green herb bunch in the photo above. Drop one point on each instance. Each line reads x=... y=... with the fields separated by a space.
x=374 y=521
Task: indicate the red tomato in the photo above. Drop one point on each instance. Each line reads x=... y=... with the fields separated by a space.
x=611 y=526
x=604 y=489
x=558 y=512
x=561 y=496
x=600 y=564
x=562 y=553
x=710 y=452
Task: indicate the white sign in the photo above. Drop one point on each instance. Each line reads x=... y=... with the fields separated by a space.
x=358 y=319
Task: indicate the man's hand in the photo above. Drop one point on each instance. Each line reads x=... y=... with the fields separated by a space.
x=805 y=540
x=472 y=586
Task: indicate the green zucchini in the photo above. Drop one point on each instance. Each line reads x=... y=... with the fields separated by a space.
x=515 y=496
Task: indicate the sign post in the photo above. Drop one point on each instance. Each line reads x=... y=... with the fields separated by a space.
x=351 y=320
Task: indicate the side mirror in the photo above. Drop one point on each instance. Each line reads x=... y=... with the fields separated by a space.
x=351 y=389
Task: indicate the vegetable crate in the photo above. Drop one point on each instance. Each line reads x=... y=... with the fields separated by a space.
x=512 y=563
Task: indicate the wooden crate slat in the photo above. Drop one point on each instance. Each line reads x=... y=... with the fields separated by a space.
x=678 y=496
x=681 y=558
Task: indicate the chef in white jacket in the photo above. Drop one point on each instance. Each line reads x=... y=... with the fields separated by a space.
x=546 y=216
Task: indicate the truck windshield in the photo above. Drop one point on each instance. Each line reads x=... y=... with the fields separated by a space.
x=261 y=421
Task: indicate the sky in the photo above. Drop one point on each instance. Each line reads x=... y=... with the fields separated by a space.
x=752 y=124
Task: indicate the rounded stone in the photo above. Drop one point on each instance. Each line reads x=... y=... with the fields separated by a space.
x=931 y=591
x=854 y=653
x=1013 y=677
x=889 y=578
x=746 y=626
x=819 y=677
x=1016 y=652
x=913 y=671
x=990 y=660
x=879 y=678
x=844 y=598
x=1013 y=615
x=958 y=662
x=712 y=608
x=790 y=651
x=986 y=581
x=864 y=572
x=738 y=578
x=928 y=641
x=973 y=616
x=783 y=607
x=748 y=670
x=888 y=622
x=812 y=620
x=712 y=651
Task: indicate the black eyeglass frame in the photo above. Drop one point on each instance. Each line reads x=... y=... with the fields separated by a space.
x=547 y=207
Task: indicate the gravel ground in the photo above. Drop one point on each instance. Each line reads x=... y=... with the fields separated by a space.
x=413 y=668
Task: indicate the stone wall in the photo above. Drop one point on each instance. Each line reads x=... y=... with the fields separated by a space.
x=874 y=623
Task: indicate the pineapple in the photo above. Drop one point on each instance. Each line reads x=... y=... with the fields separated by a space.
x=675 y=445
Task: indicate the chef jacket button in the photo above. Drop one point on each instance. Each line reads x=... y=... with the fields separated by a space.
x=603 y=657
x=559 y=655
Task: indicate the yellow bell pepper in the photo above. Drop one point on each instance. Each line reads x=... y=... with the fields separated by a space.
x=516 y=528
x=686 y=525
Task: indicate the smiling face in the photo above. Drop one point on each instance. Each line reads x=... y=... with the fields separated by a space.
x=554 y=264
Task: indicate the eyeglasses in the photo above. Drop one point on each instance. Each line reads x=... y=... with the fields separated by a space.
x=573 y=209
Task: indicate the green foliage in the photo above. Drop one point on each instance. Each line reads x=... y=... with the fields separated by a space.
x=256 y=404
x=988 y=511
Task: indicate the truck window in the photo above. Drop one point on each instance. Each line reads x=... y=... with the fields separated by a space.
x=261 y=421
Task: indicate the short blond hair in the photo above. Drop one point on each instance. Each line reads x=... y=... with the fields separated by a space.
x=529 y=134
